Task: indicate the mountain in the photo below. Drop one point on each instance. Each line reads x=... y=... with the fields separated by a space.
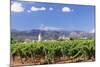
x=48 y=34
x=14 y=30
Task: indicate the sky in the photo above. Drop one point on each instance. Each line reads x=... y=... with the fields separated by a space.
x=35 y=15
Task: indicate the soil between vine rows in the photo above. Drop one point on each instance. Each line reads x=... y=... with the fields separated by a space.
x=40 y=61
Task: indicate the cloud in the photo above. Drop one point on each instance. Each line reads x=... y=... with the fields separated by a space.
x=50 y=8
x=42 y=8
x=46 y=28
x=17 y=7
x=92 y=31
x=66 y=9
x=28 y=11
x=33 y=8
x=52 y=28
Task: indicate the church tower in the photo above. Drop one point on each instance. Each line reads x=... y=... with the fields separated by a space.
x=40 y=37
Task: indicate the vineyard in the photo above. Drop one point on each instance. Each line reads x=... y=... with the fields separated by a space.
x=52 y=52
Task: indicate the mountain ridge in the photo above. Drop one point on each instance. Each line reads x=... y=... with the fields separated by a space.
x=49 y=34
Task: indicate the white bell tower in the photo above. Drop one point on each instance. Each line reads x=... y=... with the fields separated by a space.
x=40 y=37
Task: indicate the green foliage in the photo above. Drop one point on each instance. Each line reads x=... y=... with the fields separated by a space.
x=52 y=49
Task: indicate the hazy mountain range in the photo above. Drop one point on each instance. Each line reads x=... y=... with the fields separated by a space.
x=49 y=34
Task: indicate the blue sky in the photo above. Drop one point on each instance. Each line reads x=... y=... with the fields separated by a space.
x=35 y=15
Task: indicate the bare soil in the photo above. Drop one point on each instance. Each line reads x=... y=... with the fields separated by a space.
x=41 y=61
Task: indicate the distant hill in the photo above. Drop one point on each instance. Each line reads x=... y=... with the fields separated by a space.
x=49 y=34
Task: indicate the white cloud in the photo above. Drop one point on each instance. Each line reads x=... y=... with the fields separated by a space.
x=66 y=9
x=17 y=7
x=33 y=8
x=28 y=11
x=52 y=28
x=42 y=8
x=46 y=28
x=50 y=8
x=92 y=31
